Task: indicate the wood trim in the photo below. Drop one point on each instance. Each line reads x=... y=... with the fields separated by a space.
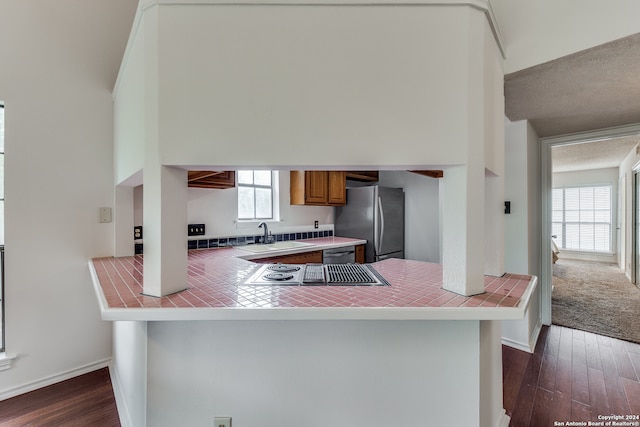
x=196 y=175
x=363 y=176
x=211 y=179
x=431 y=173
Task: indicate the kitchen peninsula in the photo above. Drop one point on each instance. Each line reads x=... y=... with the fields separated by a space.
x=310 y=85
x=235 y=345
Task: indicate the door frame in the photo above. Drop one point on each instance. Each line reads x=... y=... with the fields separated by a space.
x=635 y=205
x=546 y=271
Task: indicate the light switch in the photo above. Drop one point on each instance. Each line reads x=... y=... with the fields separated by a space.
x=105 y=215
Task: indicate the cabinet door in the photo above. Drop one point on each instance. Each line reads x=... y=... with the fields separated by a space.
x=337 y=191
x=360 y=254
x=316 y=187
x=314 y=257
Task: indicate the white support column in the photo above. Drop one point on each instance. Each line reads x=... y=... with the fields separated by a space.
x=165 y=188
x=492 y=411
x=494 y=225
x=463 y=229
x=165 y=227
x=123 y=221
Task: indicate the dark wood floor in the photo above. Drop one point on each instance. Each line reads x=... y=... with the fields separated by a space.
x=572 y=376
x=86 y=400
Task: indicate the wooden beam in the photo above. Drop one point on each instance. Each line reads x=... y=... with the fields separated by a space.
x=431 y=173
x=196 y=175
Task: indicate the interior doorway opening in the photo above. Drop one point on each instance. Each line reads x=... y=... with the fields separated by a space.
x=622 y=229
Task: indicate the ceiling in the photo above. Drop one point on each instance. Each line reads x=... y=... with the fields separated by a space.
x=589 y=90
x=592 y=155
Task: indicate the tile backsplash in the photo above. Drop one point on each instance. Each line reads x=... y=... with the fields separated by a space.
x=253 y=239
x=221 y=242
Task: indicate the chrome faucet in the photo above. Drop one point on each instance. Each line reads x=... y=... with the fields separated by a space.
x=265 y=239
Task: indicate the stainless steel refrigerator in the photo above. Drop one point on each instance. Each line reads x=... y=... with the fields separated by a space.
x=376 y=214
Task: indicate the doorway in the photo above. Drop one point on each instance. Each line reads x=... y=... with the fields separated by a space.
x=590 y=292
x=546 y=144
x=636 y=227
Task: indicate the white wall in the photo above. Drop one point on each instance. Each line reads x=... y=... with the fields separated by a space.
x=522 y=226
x=303 y=373
x=522 y=190
x=396 y=91
x=592 y=177
x=56 y=82
x=422 y=213
x=542 y=30
x=218 y=210
x=129 y=110
x=129 y=371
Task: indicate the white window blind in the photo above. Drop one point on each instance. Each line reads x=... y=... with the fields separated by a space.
x=581 y=218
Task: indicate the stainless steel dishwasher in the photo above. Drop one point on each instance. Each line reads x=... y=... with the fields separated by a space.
x=343 y=255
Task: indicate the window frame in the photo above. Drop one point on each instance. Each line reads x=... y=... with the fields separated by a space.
x=2 y=276
x=561 y=241
x=274 y=196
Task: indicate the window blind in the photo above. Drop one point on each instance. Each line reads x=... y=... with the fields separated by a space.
x=581 y=218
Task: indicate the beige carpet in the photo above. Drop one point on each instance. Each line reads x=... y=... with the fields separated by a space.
x=595 y=297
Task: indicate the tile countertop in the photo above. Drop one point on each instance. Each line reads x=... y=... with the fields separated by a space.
x=216 y=292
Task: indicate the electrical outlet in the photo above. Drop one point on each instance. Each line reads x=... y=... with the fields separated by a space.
x=222 y=422
x=315 y=224
x=195 y=230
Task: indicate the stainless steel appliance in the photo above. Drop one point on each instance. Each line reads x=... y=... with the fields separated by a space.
x=316 y=275
x=375 y=214
x=343 y=255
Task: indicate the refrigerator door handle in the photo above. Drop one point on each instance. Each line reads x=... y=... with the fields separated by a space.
x=381 y=232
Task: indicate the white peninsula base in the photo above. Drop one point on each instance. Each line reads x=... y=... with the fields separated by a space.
x=359 y=373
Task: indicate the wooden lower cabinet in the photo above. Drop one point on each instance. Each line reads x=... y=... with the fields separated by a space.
x=360 y=254
x=314 y=257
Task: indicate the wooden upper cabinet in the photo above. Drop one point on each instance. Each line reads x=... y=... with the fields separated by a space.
x=337 y=188
x=211 y=179
x=318 y=188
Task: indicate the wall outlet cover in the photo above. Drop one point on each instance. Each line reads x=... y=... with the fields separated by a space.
x=222 y=422
x=195 y=230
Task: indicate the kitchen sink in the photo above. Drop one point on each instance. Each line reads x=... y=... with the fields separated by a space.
x=277 y=246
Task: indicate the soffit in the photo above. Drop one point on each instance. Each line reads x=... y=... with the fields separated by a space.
x=593 y=89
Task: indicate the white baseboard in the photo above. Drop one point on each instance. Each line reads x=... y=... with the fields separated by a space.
x=504 y=420
x=121 y=402
x=518 y=345
x=524 y=346
x=53 y=379
x=533 y=339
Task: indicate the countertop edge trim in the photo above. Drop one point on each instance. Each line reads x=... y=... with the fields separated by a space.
x=102 y=301
x=315 y=313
